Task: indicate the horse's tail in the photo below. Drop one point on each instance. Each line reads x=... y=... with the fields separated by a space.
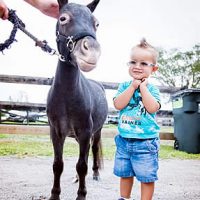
x=97 y=150
x=100 y=155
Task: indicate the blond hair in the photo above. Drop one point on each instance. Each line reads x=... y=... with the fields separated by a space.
x=145 y=45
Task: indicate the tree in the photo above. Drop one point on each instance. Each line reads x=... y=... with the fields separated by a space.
x=179 y=69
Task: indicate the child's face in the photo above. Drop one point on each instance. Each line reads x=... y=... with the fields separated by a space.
x=141 y=64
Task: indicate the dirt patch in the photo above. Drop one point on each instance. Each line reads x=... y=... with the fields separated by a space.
x=31 y=179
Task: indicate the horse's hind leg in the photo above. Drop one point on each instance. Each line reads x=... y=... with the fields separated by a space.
x=82 y=165
x=57 y=165
x=97 y=154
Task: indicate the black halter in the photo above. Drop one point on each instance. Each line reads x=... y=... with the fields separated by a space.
x=70 y=42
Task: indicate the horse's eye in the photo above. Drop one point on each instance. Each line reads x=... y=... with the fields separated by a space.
x=64 y=18
x=96 y=23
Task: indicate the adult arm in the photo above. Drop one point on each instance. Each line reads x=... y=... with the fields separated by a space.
x=47 y=7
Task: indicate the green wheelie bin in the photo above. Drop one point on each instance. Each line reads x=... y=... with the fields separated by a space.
x=186 y=113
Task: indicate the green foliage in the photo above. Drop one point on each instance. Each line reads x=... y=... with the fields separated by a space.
x=179 y=69
x=29 y=145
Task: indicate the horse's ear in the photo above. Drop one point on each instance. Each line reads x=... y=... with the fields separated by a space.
x=93 y=5
x=62 y=2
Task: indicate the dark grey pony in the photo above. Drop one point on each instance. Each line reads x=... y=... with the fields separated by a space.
x=76 y=106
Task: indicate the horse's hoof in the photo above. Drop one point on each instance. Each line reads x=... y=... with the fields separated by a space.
x=81 y=198
x=96 y=178
x=75 y=179
x=54 y=197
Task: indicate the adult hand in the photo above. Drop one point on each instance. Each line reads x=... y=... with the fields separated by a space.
x=3 y=10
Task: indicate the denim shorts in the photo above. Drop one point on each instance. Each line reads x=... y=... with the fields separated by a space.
x=137 y=157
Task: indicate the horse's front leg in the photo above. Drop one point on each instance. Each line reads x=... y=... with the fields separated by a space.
x=97 y=154
x=57 y=165
x=82 y=165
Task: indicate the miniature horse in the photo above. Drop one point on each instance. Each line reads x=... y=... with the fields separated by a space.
x=76 y=106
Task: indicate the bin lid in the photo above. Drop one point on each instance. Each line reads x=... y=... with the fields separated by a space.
x=186 y=91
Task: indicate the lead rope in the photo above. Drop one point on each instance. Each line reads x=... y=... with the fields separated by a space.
x=18 y=24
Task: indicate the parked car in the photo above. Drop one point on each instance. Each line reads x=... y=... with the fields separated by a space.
x=16 y=118
x=22 y=117
x=112 y=119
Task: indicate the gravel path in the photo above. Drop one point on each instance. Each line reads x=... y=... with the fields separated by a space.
x=31 y=179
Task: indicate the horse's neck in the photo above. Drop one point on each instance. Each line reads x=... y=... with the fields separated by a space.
x=67 y=75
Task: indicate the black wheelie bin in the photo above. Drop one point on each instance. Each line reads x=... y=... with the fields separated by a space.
x=186 y=113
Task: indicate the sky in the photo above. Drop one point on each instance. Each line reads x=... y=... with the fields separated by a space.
x=164 y=23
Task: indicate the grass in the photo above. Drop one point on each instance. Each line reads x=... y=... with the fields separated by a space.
x=34 y=145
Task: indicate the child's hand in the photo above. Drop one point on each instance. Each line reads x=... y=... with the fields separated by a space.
x=144 y=82
x=136 y=83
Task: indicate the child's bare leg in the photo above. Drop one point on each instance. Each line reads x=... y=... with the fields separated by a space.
x=147 y=190
x=126 y=187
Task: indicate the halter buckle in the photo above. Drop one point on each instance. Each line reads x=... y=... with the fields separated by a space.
x=70 y=43
x=61 y=58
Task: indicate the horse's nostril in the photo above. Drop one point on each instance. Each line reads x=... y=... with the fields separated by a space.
x=85 y=45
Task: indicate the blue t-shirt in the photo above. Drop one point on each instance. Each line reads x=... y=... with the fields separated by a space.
x=134 y=120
